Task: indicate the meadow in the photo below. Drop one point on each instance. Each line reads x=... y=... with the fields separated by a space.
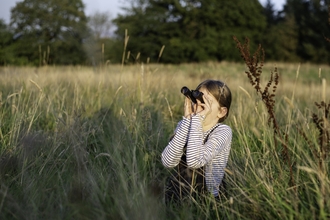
x=85 y=143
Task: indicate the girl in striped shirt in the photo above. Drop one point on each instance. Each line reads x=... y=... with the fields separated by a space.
x=201 y=144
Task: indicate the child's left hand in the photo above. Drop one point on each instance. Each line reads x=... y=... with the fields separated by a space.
x=203 y=108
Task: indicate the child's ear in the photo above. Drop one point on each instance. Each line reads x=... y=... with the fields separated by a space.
x=223 y=112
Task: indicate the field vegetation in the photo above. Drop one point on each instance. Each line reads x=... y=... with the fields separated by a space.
x=85 y=143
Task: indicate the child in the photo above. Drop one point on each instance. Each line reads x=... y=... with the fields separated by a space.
x=201 y=144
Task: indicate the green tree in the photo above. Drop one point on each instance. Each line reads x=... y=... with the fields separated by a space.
x=280 y=38
x=270 y=13
x=144 y=29
x=285 y=40
x=311 y=20
x=241 y=19
x=49 y=31
x=6 y=39
x=191 y=30
x=99 y=45
x=100 y=24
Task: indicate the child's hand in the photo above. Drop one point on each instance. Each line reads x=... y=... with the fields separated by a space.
x=204 y=108
x=188 y=110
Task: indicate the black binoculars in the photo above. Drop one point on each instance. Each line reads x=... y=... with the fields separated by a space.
x=193 y=95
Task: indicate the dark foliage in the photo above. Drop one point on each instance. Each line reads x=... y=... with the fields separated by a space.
x=49 y=32
x=194 y=31
x=6 y=39
x=167 y=31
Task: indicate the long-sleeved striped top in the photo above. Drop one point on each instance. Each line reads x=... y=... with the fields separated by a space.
x=212 y=155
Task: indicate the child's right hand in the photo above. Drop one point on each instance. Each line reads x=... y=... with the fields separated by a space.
x=188 y=110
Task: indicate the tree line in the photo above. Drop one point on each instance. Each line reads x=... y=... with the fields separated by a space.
x=49 y=32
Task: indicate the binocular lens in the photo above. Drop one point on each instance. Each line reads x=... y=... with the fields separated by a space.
x=192 y=94
x=185 y=91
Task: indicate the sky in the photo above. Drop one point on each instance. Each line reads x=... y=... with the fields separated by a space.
x=91 y=6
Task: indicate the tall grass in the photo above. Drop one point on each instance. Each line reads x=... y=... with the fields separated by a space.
x=84 y=143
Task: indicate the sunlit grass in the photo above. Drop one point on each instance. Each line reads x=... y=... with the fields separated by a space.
x=85 y=143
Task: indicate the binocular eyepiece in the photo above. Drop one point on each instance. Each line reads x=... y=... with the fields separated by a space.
x=193 y=95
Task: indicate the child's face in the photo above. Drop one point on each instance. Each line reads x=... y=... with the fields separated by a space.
x=217 y=111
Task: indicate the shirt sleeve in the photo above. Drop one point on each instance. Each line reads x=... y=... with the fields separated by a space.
x=171 y=155
x=198 y=153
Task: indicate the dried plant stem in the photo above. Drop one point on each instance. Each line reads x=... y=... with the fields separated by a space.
x=160 y=53
x=125 y=46
x=170 y=110
x=255 y=63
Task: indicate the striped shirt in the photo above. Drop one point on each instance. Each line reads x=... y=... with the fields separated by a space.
x=212 y=155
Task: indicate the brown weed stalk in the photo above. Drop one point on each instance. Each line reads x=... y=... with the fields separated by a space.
x=321 y=150
x=322 y=124
x=255 y=63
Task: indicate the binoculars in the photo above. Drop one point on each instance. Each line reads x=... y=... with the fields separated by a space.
x=193 y=95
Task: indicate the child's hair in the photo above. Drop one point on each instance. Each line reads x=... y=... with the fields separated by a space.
x=220 y=91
